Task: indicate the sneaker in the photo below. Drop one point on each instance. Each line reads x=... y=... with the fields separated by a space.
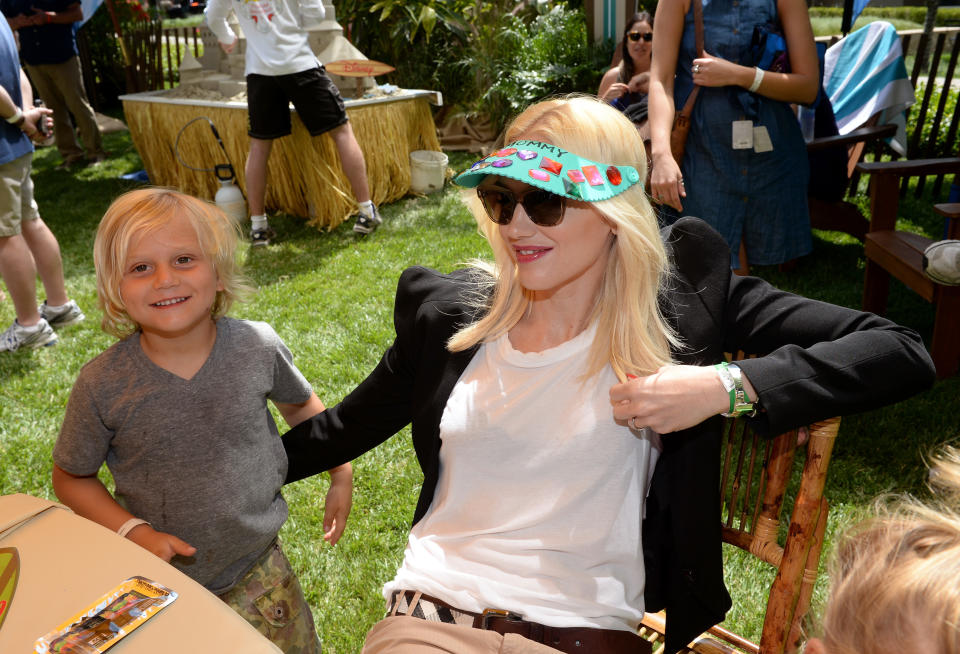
x=16 y=337
x=68 y=314
x=366 y=224
x=96 y=159
x=261 y=237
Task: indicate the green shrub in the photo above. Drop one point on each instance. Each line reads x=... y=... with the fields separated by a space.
x=940 y=147
x=946 y=16
x=546 y=56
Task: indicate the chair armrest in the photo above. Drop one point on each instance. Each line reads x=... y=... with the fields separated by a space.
x=912 y=168
x=856 y=136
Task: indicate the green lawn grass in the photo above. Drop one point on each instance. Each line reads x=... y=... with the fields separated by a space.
x=330 y=296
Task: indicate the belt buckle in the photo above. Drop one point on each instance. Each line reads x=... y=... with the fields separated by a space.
x=489 y=614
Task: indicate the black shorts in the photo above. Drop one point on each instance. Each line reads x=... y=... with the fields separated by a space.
x=313 y=94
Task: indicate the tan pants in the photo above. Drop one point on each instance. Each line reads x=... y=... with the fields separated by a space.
x=404 y=634
x=61 y=88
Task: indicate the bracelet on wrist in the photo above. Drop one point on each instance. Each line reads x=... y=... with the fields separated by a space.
x=757 y=79
x=16 y=118
x=129 y=525
x=732 y=380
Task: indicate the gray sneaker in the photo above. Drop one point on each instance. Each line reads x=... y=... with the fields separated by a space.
x=68 y=314
x=16 y=337
x=366 y=224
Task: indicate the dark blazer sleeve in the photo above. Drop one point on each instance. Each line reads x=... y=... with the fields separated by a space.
x=426 y=310
x=814 y=360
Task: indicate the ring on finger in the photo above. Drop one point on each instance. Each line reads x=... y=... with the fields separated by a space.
x=634 y=425
x=696 y=68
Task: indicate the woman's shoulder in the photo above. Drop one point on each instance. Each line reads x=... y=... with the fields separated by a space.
x=696 y=249
x=452 y=292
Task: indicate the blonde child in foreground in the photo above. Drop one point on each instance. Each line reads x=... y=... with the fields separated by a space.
x=895 y=580
x=178 y=411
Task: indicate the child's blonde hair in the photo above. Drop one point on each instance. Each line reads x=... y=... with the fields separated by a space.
x=149 y=209
x=632 y=335
x=895 y=580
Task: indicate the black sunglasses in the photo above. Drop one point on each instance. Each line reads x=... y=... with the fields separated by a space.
x=636 y=36
x=543 y=207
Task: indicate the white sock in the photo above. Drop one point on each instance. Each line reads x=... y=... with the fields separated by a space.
x=57 y=309
x=30 y=329
x=366 y=208
x=259 y=222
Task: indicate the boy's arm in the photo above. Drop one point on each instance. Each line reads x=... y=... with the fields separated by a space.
x=216 y=13
x=294 y=414
x=87 y=497
x=340 y=495
x=338 y=502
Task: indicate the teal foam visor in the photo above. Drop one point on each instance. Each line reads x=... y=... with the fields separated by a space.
x=552 y=169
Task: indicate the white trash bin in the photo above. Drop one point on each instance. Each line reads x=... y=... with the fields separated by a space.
x=427 y=171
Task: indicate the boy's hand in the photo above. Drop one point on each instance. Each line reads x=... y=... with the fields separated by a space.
x=162 y=544
x=338 y=503
x=228 y=47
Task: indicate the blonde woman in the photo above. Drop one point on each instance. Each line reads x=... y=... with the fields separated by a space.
x=565 y=402
x=895 y=580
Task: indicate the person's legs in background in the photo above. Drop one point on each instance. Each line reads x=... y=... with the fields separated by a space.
x=355 y=168
x=256 y=176
x=69 y=80
x=44 y=78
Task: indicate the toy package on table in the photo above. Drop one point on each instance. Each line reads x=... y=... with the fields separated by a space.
x=104 y=622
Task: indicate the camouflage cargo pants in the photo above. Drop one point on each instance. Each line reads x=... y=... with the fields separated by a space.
x=270 y=598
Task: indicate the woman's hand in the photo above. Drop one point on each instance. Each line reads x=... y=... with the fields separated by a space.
x=671 y=399
x=162 y=544
x=338 y=502
x=666 y=182
x=710 y=70
x=615 y=91
x=640 y=83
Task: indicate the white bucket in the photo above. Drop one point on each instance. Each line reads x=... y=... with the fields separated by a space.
x=427 y=170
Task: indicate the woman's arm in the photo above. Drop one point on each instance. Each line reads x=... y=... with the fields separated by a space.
x=665 y=181
x=610 y=88
x=798 y=86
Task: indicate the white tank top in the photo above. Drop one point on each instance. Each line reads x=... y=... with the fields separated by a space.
x=538 y=507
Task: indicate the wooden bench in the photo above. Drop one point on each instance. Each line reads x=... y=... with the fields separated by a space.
x=900 y=254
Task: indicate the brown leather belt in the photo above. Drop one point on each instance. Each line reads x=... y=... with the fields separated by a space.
x=572 y=640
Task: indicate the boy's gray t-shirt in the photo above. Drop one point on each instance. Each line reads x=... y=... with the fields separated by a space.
x=199 y=458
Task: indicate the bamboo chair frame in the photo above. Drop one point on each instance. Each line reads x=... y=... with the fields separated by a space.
x=755 y=479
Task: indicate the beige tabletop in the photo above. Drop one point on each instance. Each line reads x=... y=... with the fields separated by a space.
x=67 y=562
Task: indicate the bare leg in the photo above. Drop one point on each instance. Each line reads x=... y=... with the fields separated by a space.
x=46 y=254
x=256 y=173
x=351 y=158
x=20 y=275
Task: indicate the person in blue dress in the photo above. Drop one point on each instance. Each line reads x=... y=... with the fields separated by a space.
x=744 y=170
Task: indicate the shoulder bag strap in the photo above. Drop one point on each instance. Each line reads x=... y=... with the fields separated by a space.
x=698 y=34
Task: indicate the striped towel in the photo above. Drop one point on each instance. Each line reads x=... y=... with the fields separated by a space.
x=863 y=75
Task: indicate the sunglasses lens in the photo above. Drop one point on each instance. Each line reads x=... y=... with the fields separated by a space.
x=544 y=208
x=634 y=36
x=499 y=205
x=648 y=36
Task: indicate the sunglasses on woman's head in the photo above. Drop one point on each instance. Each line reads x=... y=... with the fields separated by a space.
x=636 y=36
x=543 y=207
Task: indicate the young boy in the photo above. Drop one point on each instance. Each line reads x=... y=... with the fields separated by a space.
x=282 y=69
x=178 y=410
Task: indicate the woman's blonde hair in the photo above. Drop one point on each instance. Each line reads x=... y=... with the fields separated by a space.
x=144 y=211
x=895 y=580
x=632 y=335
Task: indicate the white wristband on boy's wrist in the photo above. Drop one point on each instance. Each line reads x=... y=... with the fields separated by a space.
x=128 y=526
x=16 y=118
x=757 y=79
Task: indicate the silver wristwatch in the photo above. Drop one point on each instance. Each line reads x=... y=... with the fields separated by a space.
x=732 y=379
